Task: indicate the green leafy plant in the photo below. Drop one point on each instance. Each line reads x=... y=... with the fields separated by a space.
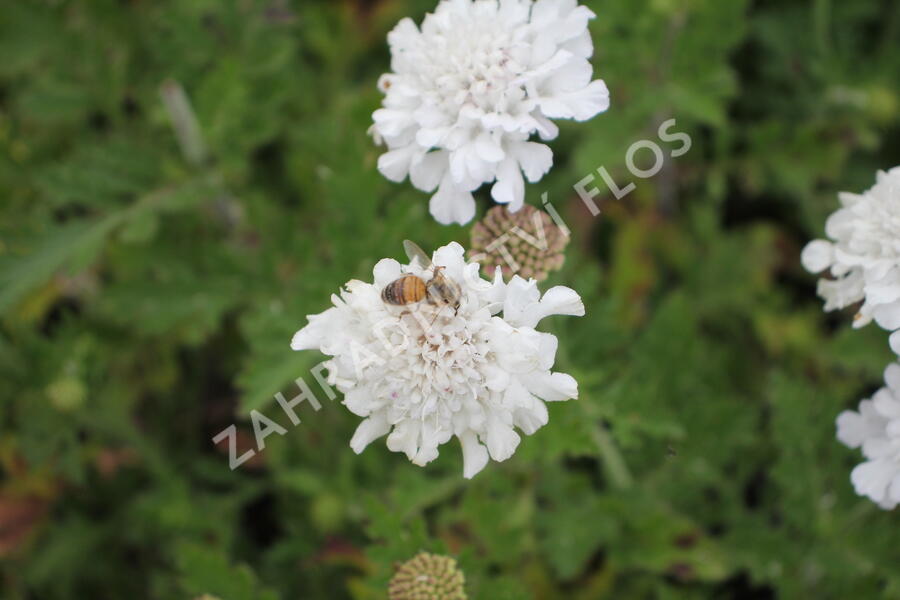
x=150 y=284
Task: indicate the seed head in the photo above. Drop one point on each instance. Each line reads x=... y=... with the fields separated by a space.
x=525 y=243
x=428 y=577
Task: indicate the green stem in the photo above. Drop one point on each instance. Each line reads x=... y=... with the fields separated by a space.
x=822 y=25
x=614 y=463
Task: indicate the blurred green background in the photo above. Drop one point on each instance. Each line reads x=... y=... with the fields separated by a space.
x=149 y=290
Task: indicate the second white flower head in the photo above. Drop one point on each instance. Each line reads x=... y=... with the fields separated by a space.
x=875 y=428
x=472 y=86
x=423 y=374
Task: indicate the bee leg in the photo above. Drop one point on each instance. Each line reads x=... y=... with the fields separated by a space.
x=436 y=315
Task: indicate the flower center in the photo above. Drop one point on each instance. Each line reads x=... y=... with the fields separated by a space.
x=434 y=369
x=475 y=65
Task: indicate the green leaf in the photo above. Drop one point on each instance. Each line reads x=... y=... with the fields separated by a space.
x=76 y=243
x=205 y=570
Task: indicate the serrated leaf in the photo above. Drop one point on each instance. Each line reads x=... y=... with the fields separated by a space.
x=205 y=570
x=55 y=249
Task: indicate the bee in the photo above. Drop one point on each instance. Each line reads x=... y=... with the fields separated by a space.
x=411 y=289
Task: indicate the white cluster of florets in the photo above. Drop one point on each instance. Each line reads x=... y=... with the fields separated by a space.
x=861 y=260
x=862 y=256
x=469 y=90
x=875 y=428
x=422 y=375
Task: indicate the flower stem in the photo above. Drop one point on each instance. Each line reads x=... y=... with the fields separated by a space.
x=614 y=463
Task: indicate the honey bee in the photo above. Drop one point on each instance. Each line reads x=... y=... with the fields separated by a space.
x=411 y=289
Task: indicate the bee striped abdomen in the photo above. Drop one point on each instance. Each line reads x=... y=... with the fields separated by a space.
x=406 y=290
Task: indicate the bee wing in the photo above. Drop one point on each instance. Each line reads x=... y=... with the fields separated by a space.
x=416 y=254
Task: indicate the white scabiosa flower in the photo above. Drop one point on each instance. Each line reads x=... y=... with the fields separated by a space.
x=471 y=87
x=876 y=429
x=863 y=254
x=422 y=374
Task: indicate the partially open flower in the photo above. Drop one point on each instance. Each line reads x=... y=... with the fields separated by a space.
x=423 y=373
x=428 y=577
x=472 y=86
x=525 y=243
x=875 y=428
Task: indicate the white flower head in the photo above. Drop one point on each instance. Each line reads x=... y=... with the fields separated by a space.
x=876 y=429
x=422 y=374
x=863 y=255
x=470 y=88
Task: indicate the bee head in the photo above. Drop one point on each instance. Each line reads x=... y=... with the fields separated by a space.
x=442 y=290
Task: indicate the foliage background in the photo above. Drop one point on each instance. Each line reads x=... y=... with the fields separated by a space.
x=148 y=296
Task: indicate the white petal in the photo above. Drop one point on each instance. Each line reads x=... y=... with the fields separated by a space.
x=386 y=270
x=496 y=379
x=551 y=387
x=368 y=431
x=529 y=413
x=581 y=45
x=840 y=293
x=521 y=294
x=405 y=438
x=488 y=149
x=392 y=122
x=404 y=34
x=878 y=447
x=535 y=159
x=817 y=256
x=312 y=336
x=359 y=401
x=851 y=429
x=306 y=339
x=432 y=137
x=872 y=478
x=519 y=351
x=574 y=76
x=547 y=11
x=426 y=174
x=510 y=187
x=453 y=258
x=428 y=116
x=546 y=128
x=558 y=300
x=451 y=205
x=467 y=169
x=495 y=293
x=888 y=316
x=892 y=377
x=893 y=492
x=895 y=342
x=531 y=418
x=547 y=350
x=425 y=455
x=840 y=224
x=502 y=440
x=847 y=199
x=886 y=404
x=475 y=455
x=395 y=164
x=885 y=290
x=580 y=105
